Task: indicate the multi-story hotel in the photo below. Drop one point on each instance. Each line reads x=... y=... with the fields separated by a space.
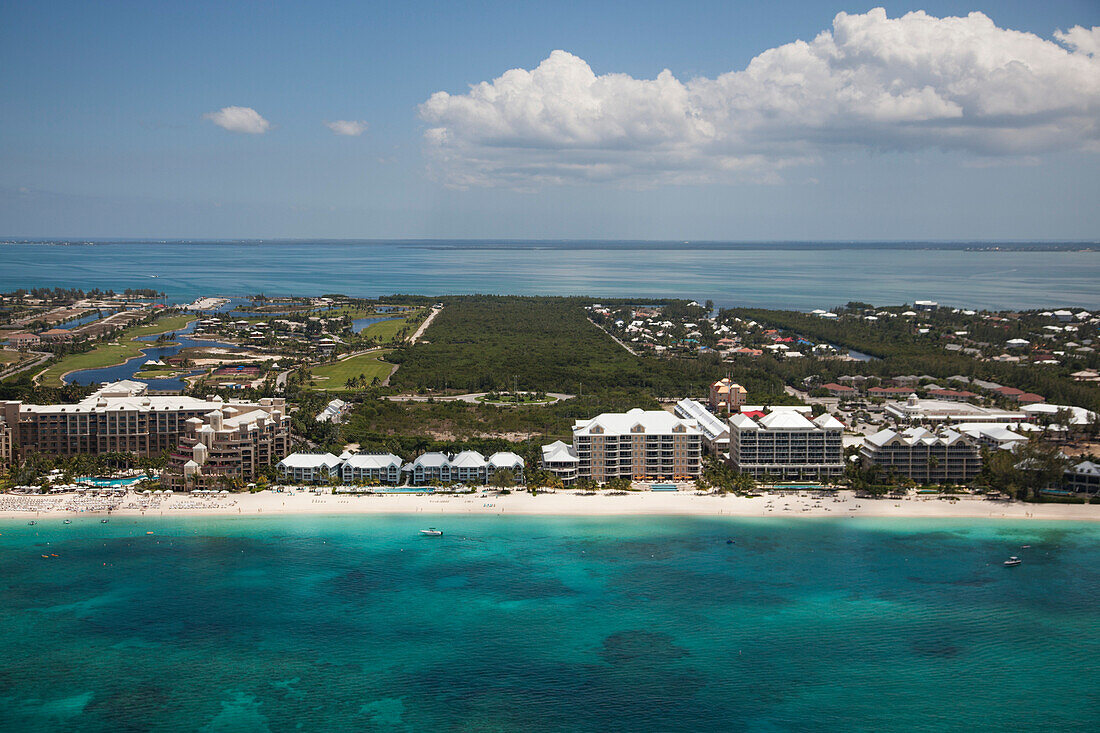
x=119 y=417
x=947 y=458
x=787 y=444
x=635 y=445
x=229 y=444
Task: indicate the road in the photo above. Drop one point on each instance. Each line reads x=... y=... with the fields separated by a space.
x=613 y=338
x=424 y=326
x=43 y=356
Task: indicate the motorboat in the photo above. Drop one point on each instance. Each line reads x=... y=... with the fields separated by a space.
x=1012 y=561
x=32 y=522
x=432 y=532
x=68 y=521
x=103 y=521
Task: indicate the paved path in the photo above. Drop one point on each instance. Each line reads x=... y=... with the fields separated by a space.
x=43 y=356
x=620 y=343
x=424 y=326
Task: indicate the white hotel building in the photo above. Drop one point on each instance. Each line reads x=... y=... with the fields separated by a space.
x=784 y=443
x=636 y=445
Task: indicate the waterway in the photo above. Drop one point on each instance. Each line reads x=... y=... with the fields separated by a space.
x=130 y=369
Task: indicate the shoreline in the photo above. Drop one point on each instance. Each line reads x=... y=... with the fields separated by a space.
x=561 y=503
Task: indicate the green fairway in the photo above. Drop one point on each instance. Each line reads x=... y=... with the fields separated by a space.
x=116 y=352
x=385 y=331
x=334 y=376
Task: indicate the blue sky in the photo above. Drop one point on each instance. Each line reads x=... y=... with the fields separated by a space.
x=104 y=134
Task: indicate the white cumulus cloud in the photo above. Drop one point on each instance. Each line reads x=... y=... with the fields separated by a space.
x=239 y=119
x=353 y=128
x=870 y=82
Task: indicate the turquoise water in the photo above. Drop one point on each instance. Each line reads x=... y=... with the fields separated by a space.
x=111 y=481
x=548 y=624
x=807 y=276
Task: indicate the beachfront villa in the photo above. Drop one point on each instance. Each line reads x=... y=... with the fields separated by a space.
x=371 y=468
x=468 y=467
x=1083 y=478
x=786 y=443
x=309 y=468
x=227 y=446
x=636 y=445
x=949 y=457
x=561 y=460
x=121 y=417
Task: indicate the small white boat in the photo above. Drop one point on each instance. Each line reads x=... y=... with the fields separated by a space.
x=432 y=532
x=68 y=521
x=1012 y=561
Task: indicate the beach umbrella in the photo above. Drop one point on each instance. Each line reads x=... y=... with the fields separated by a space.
x=168 y=491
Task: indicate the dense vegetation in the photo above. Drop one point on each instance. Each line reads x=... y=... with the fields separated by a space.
x=485 y=343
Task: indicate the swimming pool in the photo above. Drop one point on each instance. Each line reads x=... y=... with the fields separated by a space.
x=110 y=482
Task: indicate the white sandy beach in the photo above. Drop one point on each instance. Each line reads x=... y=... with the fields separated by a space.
x=563 y=503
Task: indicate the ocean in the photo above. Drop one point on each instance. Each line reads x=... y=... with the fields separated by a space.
x=781 y=275
x=548 y=624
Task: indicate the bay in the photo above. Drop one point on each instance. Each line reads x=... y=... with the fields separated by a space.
x=548 y=623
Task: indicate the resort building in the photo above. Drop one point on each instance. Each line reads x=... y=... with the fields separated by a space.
x=787 y=444
x=996 y=436
x=635 y=445
x=6 y=453
x=716 y=433
x=228 y=445
x=428 y=468
x=22 y=340
x=947 y=458
x=726 y=396
x=841 y=390
x=1084 y=478
x=309 y=468
x=915 y=410
x=468 y=467
x=371 y=468
x=561 y=460
x=121 y=418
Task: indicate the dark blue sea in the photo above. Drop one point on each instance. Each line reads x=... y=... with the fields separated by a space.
x=776 y=275
x=548 y=624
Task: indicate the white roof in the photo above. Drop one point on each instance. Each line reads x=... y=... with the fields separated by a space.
x=372 y=460
x=505 y=459
x=310 y=460
x=623 y=423
x=431 y=460
x=1078 y=415
x=468 y=459
x=559 y=452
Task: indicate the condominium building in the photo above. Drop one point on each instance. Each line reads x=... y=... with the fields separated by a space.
x=949 y=457
x=119 y=417
x=637 y=445
x=1083 y=478
x=371 y=468
x=467 y=467
x=229 y=445
x=309 y=468
x=787 y=444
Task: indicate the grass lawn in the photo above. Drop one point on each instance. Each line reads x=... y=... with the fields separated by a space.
x=333 y=376
x=7 y=356
x=111 y=353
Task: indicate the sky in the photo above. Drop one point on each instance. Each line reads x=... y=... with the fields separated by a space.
x=786 y=120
